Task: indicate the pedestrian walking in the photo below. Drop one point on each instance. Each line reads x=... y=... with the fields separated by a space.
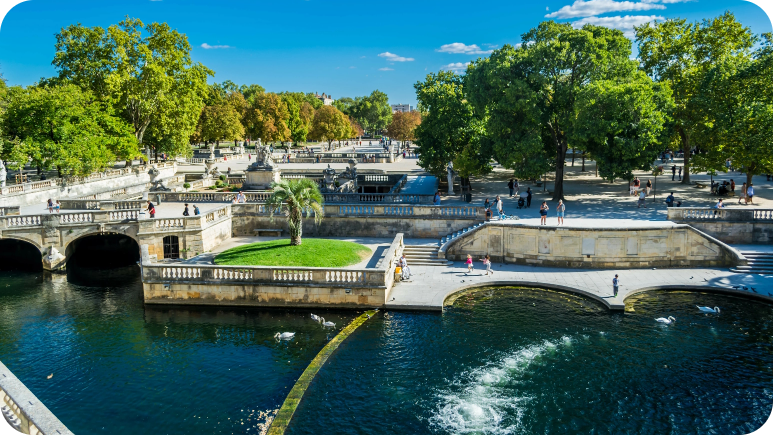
x=673 y=173
x=57 y=206
x=196 y=211
x=186 y=212
x=510 y=186
x=543 y=212
x=151 y=210
x=680 y=173
x=642 y=196
x=649 y=186
x=743 y=193
x=528 y=197
x=615 y=284
x=498 y=206
x=470 y=266
x=50 y=205
x=487 y=261
x=560 y=211
x=750 y=194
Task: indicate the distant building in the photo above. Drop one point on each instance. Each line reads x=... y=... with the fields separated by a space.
x=401 y=108
x=326 y=99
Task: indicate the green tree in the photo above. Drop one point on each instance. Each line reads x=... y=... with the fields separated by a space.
x=295 y=197
x=330 y=124
x=315 y=102
x=220 y=122
x=64 y=127
x=621 y=123
x=735 y=103
x=681 y=54
x=142 y=71
x=403 y=125
x=449 y=128
x=267 y=118
x=345 y=105
x=530 y=94
x=373 y=112
x=251 y=91
x=300 y=115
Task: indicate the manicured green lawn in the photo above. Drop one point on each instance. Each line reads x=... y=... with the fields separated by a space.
x=311 y=253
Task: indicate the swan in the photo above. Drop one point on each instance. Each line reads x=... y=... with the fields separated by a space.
x=315 y=317
x=667 y=321
x=324 y=323
x=709 y=310
x=284 y=335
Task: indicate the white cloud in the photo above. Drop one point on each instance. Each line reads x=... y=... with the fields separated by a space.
x=213 y=47
x=352 y=67
x=626 y=23
x=385 y=69
x=395 y=58
x=456 y=66
x=589 y=8
x=460 y=48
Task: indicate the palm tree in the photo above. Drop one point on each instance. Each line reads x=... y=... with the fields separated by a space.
x=295 y=196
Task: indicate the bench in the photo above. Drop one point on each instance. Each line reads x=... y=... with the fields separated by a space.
x=273 y=231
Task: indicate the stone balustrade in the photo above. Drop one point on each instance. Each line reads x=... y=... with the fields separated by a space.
x=93 y=204
x=23 y=410
x=199 y=197
x=9 y=211
x=261 y=197
x=731 y=225
x=678 y=214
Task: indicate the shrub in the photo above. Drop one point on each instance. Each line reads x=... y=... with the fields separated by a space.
x=223 y=178
x=187 y=186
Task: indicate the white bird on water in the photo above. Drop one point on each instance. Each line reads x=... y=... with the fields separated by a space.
x=315 y=317
x=709 y=310
x=324 y=323
x=284 y=335
x=667 y=321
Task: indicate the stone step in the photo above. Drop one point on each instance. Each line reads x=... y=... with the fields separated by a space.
x=420 y=248
x=429 y=263
x=753 y=271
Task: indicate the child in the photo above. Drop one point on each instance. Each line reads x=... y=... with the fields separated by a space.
x=469 y=263
x=487 y=261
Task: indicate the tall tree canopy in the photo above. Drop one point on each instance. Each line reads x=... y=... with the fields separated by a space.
x=330 y=124
x=66 y=128
x=300 y=115
x=144 y=72
x=220 y=122
x=267 y=118
x=681 y=54
x=449 y=128
x=403 y=125
x=345 y=105
x=373 y=112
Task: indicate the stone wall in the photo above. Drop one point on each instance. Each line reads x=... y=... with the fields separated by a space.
x=668 y=246
x=195 y=234
x=23 y=411
x=735 y=226
x=244 y=222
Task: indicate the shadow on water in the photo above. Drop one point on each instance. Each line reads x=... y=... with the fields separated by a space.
x=103 y=260
x=18 y=255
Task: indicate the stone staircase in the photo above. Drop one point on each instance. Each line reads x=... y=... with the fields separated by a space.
x=759 y=262
x=452 y=236
x=424 y=255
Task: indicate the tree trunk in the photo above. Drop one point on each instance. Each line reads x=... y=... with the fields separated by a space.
x=558 y=189
x=583 y=161
x=749 y=175
x=574 y=150
x=686 y=150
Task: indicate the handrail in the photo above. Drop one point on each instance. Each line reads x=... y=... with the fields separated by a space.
x=722 y=214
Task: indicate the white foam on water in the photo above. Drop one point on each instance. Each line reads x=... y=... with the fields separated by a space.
x=480 y=400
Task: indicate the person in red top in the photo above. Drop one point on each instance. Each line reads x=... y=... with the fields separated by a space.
x=151 y=210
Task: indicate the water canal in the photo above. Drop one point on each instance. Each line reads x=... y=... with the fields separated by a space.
x=500 y=361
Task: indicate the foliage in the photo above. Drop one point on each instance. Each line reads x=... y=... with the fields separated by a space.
x=315 y=102
x=295 y=196
x=312 y=253
x=621 y=122
x=356 y=128
x=220 y=122
x=267 y=117
x=681 y=54
x=300 y=112
x=144 y=72
x=373 y=112
x=403 y=125
x=449 y=126
x=64 y=127
x=251 y=91
x=345 y=105
x=330 y=124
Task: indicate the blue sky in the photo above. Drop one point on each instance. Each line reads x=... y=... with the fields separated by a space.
x=343 y=48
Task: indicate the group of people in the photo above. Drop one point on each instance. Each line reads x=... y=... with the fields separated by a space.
x=747 y=194
x=54 y=205
x=196 y=211
x=544 y=209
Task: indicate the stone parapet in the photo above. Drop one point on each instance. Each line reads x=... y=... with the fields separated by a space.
x=25 y=412
x=730 y=225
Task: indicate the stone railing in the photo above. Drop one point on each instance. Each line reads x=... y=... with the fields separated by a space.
x=326 y=276
x=20 y=221
x=403 y=211
x=23 y=410
x=9 y=211
x=399 y=185
x=85 y=204
x=186 y=223
x=681 y=214
x=199 y=197
x=378 y=198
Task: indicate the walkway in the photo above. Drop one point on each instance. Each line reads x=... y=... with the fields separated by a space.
x=430 y=286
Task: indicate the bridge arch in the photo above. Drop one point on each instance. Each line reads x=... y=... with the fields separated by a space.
x=18 y=253
x=103 y=249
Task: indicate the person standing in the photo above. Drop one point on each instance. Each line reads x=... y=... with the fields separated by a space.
x=742 y=197
x=436 y=199
x=615 y=284
x=404 y=267
x=750 y=194
x=528 y=197
x=642 y=196
x=498 y=204
x=673 y=173
x=186 y=212
x=516 y=186
x=151 y=209
x=240 y=198
x=510 y=186
x=560 y=211
x=196 y=211
x=487 y=208
x=680 y=173
x=487 y=261
x=543 y=212
x=732 y=187
x=57 y=206
x=649 y=186
x=50 y=205
x=470 y=267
